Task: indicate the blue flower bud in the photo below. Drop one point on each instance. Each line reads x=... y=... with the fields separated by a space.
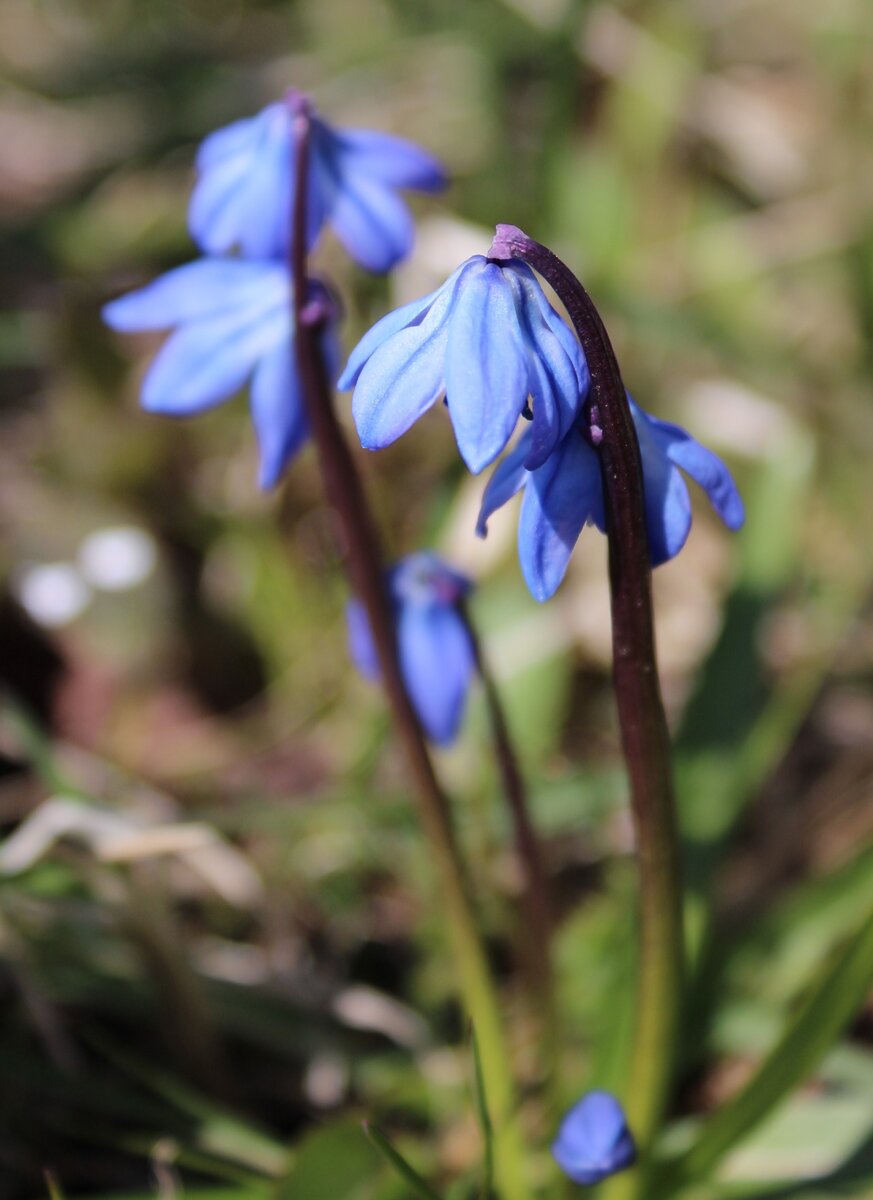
x=433 y=642
x=594 y=1141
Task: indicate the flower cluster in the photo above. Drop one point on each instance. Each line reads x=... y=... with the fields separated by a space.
x=488 y=341
x=434 y=646
x=231 y=311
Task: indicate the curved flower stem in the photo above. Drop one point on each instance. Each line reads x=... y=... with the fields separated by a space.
x=640 y=707
x=345 y=494
x=536 y=905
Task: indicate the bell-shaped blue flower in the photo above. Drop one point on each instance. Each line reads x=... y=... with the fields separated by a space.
x=245 y=187
x=594 y=1141
x=232 y=325
x=433 y=642
x=566 y=493
x=489 y=341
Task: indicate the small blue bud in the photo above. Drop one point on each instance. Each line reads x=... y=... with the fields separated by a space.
x=433 y=642
x=594 y=1141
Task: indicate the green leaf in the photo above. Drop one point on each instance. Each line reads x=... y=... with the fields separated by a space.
x=826 y=1011
x=335 y=1162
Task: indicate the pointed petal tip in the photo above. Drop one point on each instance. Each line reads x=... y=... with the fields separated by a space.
x=129 y=314
x=109 y=315
x=157 y=406
x=370 y=435
x=268 y=477
x=734 y=515
x=476 y=459
x=542 y=592
x=346 y=380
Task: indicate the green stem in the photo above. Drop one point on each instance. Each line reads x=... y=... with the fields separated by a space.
x=536 y=916
x=821 y=1018
x=345 y=493
x=643 y=724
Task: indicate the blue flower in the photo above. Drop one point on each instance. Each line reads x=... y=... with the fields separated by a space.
x=232 y=324
x=594 y=1141
x=433 y=641
x=566 y=492
x=488 y=339
x=244 y=193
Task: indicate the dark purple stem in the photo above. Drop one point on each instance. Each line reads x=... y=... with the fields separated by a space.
x=640 y=708
x=343 y=487
x=345 y=494
x=537 y=915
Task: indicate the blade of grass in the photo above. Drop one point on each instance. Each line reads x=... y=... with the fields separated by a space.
x=399 y=1163
x=820 y=1020
x=219 y=1132
x=52 y=1186
x=484 y=1117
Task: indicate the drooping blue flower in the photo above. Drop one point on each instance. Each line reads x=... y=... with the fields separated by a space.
x=566 y=492
x=245 y=188
x=489 y=341
x=232 y=324
x=594 y=1141
x=433 y=642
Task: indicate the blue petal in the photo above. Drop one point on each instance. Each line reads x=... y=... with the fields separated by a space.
x=231 y=140
x=392 y=160
x=278 y=412
x=404 y=376
x=668 y=509
x=372 y=222
x=206 y=362
x=243 y=196
x=559 y=498
x=506 y=479
x=486 y=365
x=594 y=1141
x=553 y=374
x=361 y=645
x=668 y=506
x=558 y=326
x=436 y=659
x=205 y=288
x=704 y=467
x=408 y=314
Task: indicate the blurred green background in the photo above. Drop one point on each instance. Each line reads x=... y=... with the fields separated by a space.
x=216 y=933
